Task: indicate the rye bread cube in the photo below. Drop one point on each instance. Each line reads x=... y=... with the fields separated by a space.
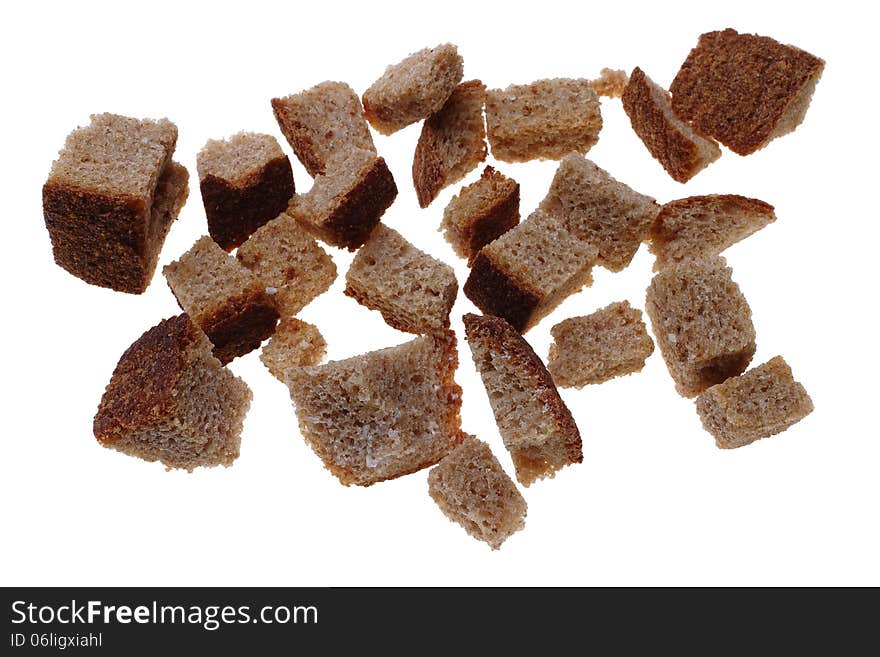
x=110 y=199
x=702 y=323
x=222 y=298
x=295 y=343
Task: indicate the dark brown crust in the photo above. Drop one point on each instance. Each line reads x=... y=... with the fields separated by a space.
x=297 y=136
x=680 y=156
x=737 y=87
x=239 y=325
x=236 y=212
x=500 y=217
x=496 y=293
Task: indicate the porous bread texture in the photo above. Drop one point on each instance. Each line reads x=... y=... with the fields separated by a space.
x=481 y=213
x=323 y=124
x=245 y=180
x=676 y=145
x=344 y=206
x=452 y=143
x=472 y=489
x=528 y=271
x=413 y=89
x=610 y=342
x=743 y=89
x=702 y=226
x=413 y=291
x=295 y=343
x=111 y=197
x=763 y=402
x=290 y=263
x=610 y=83
x=382 y=414
x=546 y=119
x=596 y=208
x=170 y=400
x=535 y=424
x=222 y=298
x=702 y=323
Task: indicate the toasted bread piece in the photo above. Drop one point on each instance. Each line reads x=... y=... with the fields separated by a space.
x=743 y=89
x=170 y=400
x=764 y=401
x=610 y=83
x=295 y=343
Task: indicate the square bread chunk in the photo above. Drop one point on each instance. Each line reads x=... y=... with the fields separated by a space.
x=344 y=206
x=599 y=210
x=480 y=213
x=528 y=271
x=110 y=199
x=414 y=88
x=323 y=124
x=292 y=265
x=674 y=143
x=764 y=401
x=611 y=82
x=702 y=323
x=295 y=343
x=413 y=291
x=382 y=414
x=452 y=143
x=610 y=342
x=223 y=298
x=471 y=488
x=535 y=424
x=703 y=226
x=246 y=180
x=170 y=400
x=546 y=119
x=743 y=89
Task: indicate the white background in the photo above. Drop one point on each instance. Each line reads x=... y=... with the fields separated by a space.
x=654 y=502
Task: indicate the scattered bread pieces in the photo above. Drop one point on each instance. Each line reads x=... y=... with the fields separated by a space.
x=610 y=83
x=383 y=414
x=170 y=400
x=764 y=401
x=702 y=323
x=743 y=89
x=413 y=89
x=246 y=180
x=535 y=424
x=610 y=342
x=222 y=298
x=323 y=124
x=413 y=291
x=702 y=226
x=452 y=143
x=471 y=488
x=546 y=119
x=295 y=343
x=110 y=199
x=680 y=149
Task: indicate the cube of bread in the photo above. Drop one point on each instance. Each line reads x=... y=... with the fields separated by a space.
x=323 y=124
x=382 y=414
x=413 y=89
x=471 y=488
x=170 y=400
x=246 y=180
x=610 y=342
x=610 y=83
x=599 y=210
x=546 y=119
x=344 y=205
x=295 y=343
x=703 y=226
x=481 y=213
x=702 y=323
x=764 y=401
x=680 y=149
x=528 y=271
x=535 y=424
x=413 y=291
x=110 y=199
x=222 y=298
x=743 y=89
x=452 y=143
x=292 y=265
